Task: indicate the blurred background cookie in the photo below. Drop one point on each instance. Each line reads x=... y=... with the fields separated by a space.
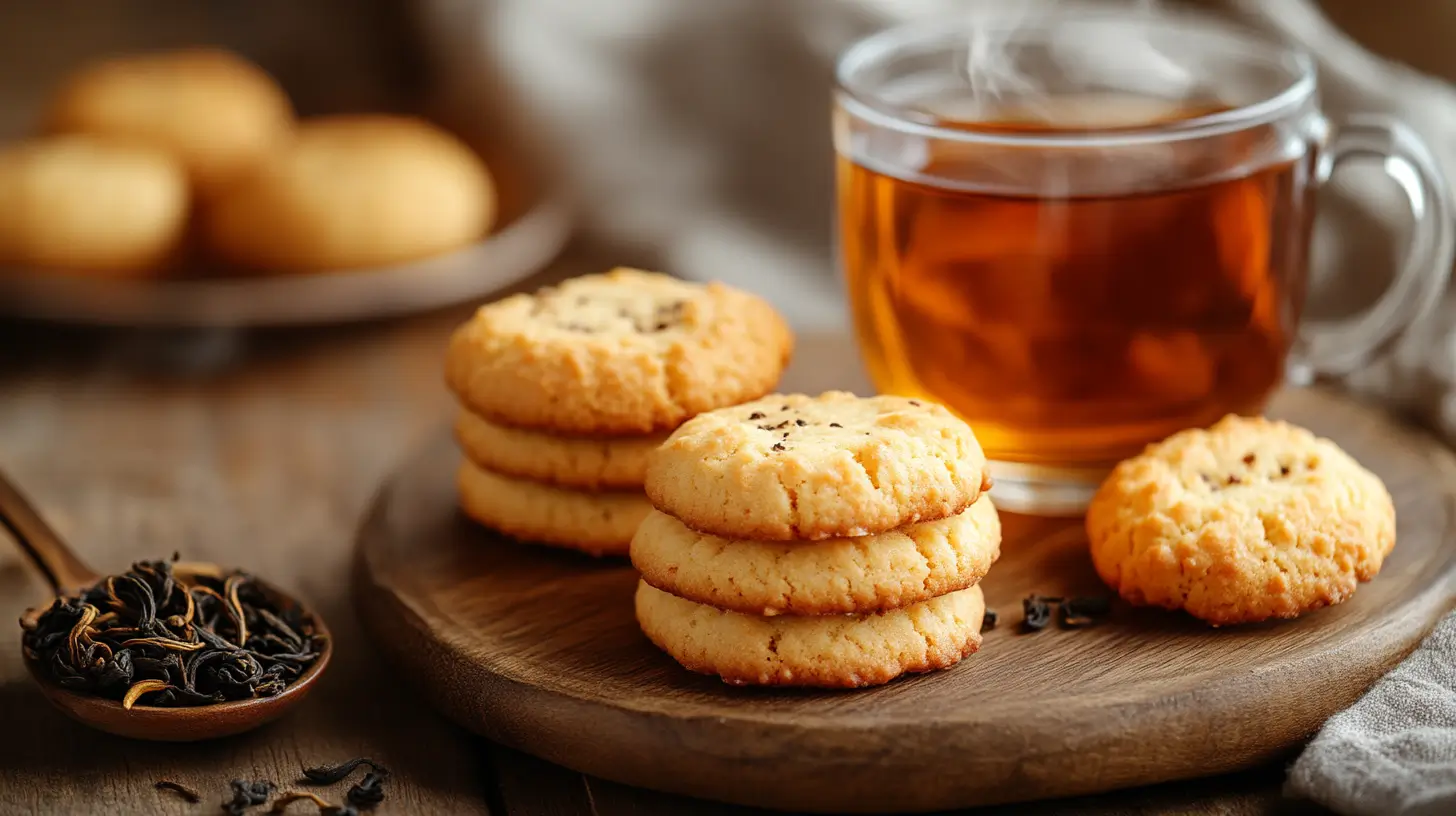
x=355 y=191
x=87 y=204
x=217 y=112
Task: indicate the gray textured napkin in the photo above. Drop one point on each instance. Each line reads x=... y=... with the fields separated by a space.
x=1393 y=753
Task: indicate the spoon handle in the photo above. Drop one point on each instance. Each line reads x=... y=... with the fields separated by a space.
x=52 y=557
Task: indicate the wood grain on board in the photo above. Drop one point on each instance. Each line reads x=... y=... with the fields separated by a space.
x=538 y=649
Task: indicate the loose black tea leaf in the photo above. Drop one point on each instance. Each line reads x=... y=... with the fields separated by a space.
x=246 y=794
x=329 y=774
x=162 y=637
x=1036 y=613
x=988 y=620
x=325 y=808
x=369 y=791
x=364 y=794
x=1095 y=606
x=188 y=794
x=1085 y=611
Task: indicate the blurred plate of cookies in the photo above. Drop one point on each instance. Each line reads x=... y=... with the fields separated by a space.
x=180 y=189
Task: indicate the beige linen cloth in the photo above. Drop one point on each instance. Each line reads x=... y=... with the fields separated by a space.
x=697 y=133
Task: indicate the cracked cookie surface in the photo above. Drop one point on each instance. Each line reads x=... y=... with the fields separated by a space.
x=832 y=651
x=594 y=523
x=1248 y=520
x=585 y=462
x=800 y=467
x=834 y=576
x=622 y=353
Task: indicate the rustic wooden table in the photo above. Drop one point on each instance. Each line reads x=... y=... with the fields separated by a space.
x=262 y=450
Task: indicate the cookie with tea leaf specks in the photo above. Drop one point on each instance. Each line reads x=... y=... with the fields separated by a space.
x=825 y=651
x=798 y=467
x=1247 y=520
x=622 y=353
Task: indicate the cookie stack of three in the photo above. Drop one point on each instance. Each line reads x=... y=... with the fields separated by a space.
x=830 y=541
x=565 y=392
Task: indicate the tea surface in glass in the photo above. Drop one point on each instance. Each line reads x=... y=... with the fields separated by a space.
x=1075 y=304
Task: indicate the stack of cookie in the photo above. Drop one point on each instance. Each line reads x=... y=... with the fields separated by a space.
x=564 y=392
x=831 y=541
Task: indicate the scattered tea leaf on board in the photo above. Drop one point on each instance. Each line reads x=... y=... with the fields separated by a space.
x=988 y=620
x=1036 y=613
x=364 y=794
x=369 y=791
x=188 y=794
x=325 y=807
x=246 y=794
x=329 y=774
x=1085 y=611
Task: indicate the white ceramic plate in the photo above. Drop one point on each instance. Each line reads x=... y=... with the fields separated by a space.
x=521 y=248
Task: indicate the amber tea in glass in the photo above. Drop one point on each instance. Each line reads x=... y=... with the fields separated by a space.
x=1091 y=261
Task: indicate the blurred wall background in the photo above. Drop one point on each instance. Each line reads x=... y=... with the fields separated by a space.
x=697 y=131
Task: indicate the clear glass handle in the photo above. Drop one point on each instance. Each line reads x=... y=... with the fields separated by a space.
x=1340 y=347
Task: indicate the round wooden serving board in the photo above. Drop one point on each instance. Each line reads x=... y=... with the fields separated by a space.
x=538 y=649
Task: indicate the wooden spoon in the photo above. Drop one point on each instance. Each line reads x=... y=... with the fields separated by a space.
x=67 y=574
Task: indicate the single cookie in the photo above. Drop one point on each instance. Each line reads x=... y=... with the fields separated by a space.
x=624 y=353
x=799 y=467
x=355 y=191
x=213 y=110
x=86 y=204
x=583 y=462
x=1244 y=521
x=594 y=523
x=832 y=651
x=832 y=577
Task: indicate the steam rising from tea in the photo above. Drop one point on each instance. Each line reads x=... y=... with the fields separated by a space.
x=1010 y=76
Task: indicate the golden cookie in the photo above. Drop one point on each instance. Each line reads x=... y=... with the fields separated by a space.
x=799 y=467
x=355 y=191
x=216 y=112
x=835 y=576
x=595 y=523
x=1244 y=521
x=831 y=651
x=85 y=204
x=583 y=462
x=624 y=353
